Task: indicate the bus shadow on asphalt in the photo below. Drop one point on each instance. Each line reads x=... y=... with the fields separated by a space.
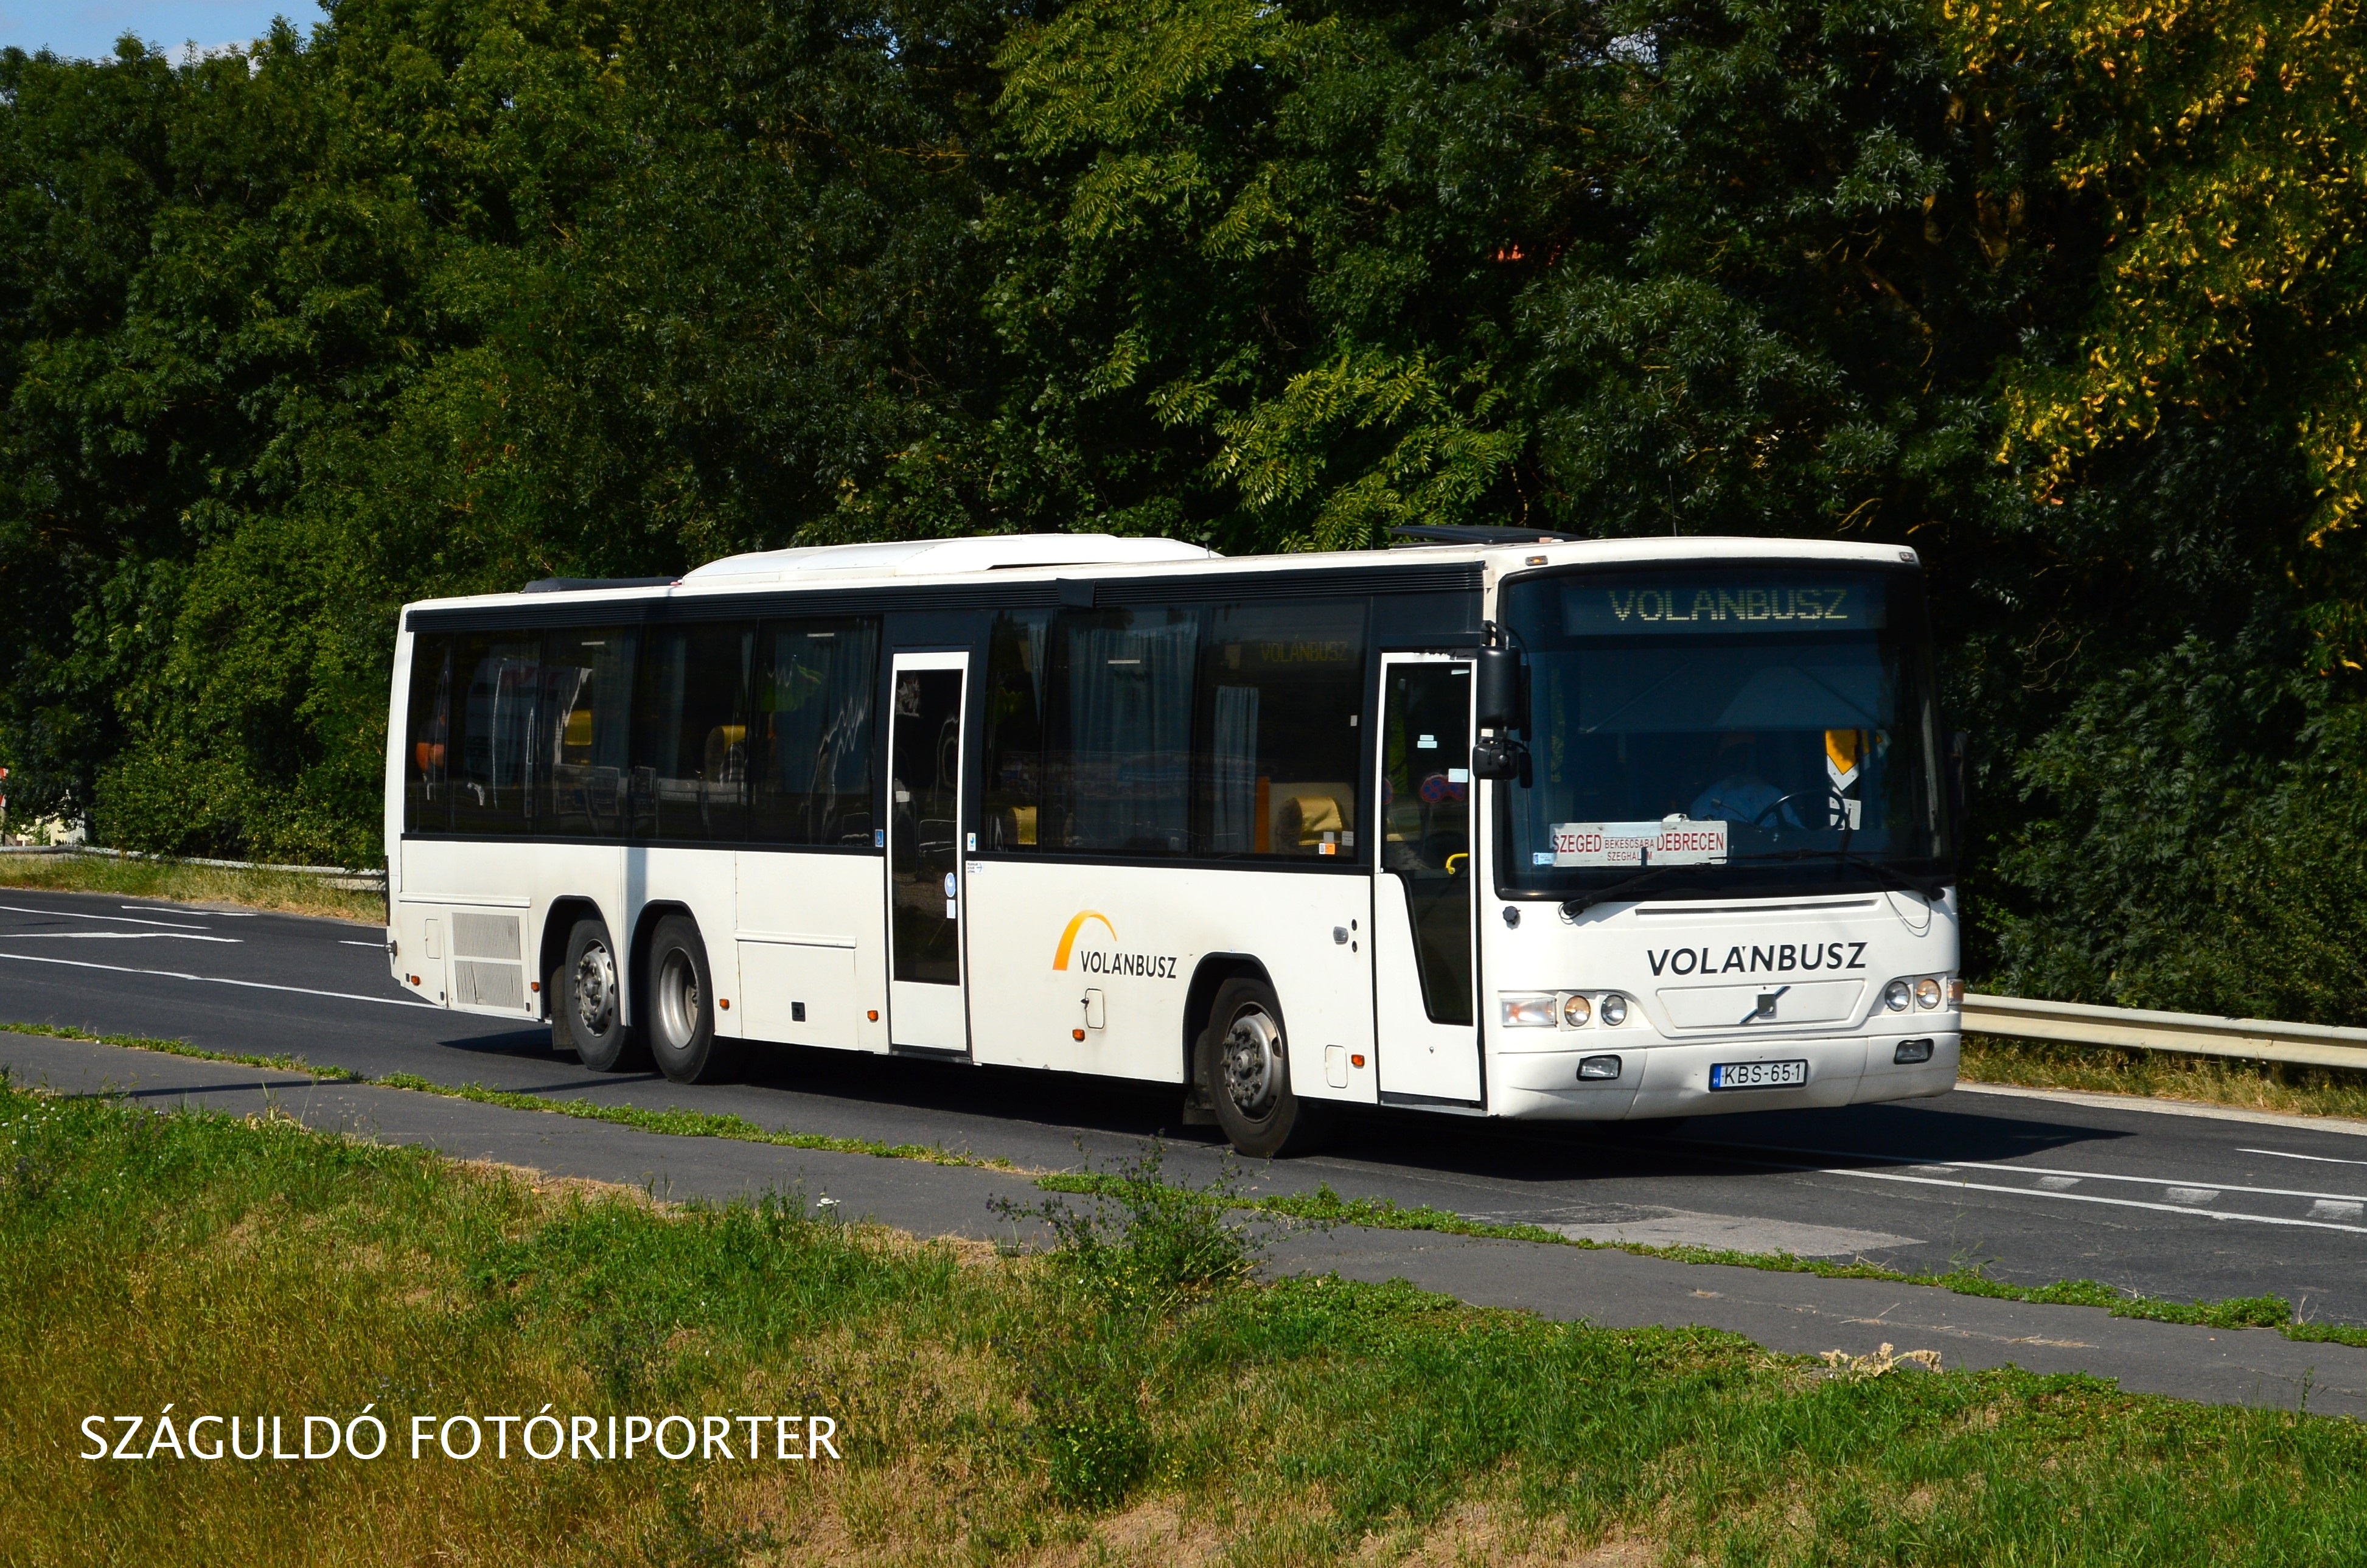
x=1115 y=1117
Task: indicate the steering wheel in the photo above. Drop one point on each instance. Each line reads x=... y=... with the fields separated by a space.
x=1836 y=810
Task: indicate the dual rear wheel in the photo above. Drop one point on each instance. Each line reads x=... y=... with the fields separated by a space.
x=678 y=1005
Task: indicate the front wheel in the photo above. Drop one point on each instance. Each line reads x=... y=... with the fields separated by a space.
x=682 y=1008
x=1245 y=1062
x=588 y=1011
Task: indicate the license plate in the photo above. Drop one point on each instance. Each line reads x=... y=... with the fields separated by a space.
x=1757 y=1074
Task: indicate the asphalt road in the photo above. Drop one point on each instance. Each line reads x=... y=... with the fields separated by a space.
x=2034 y=1189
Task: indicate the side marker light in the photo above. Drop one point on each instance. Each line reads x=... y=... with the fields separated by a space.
x=723 y=1002
x=1357 y=1060
x=1078 y=1034
x=873 y=1014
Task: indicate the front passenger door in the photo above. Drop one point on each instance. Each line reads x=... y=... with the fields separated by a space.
x=1424 y=969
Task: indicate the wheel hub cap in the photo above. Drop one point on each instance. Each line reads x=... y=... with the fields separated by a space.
x=595 y=989
x=1253 y=1061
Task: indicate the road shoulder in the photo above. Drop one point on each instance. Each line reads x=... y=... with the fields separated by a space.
x=1795 y=1313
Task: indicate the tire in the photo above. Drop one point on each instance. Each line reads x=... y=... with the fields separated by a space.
x=587 y=1002
x=1244 y=1060
x=681 y=1011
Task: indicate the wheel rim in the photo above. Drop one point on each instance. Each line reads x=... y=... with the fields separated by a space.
x=677 y=999
x=1253 y=1062
x=595 y=989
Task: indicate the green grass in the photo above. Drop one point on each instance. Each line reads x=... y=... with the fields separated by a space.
x=1322 y=1206
x=175 y=882
x=2282 y=1086
x=1128 y=1399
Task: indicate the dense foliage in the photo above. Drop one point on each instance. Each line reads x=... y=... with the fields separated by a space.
x=443 y=295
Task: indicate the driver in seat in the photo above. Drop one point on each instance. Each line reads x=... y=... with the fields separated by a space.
x=1742 y=796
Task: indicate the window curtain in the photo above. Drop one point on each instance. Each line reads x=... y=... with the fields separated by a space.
x=1130 y=733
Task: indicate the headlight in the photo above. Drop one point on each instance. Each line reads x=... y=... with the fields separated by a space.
x=1527 y=1010
x=1578 y=1013
x=1613 y=1010
x=1597 y=1069
x=1927 y=993
x=1896 y=995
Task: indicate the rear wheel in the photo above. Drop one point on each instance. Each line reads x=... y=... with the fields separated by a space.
x=587 y=1011
x=682 y=1008
x=1245 y=1062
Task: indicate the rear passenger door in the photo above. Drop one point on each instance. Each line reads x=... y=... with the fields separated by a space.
x=926 y=1009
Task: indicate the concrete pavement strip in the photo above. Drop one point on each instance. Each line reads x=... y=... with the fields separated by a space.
x=1787 y=1312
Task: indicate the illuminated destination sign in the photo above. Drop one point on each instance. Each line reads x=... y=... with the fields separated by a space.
x=1630 y=605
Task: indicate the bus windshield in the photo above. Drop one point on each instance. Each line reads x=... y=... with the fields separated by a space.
x=1728 y=728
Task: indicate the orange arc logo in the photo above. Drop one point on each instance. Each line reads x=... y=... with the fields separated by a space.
x=1069 y=937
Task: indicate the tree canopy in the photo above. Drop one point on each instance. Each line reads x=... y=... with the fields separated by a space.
x=439 y=297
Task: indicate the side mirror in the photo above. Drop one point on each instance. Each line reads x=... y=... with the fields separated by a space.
x=1498 y=674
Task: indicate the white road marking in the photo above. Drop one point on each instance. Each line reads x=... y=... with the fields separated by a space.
x=116 y=936
x=220 y=980
x=121 y=919
x=2091 y=1198
x=2195 y=1194
x=2058 y=1183
x=2330 y=1209
x=176 y=909
x=2319 y=1159
x=2005 y=1169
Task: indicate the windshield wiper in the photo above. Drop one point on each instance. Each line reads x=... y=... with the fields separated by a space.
x=1573 y=908
x=1929 y=887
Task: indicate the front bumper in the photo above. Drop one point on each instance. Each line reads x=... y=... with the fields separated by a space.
x=1660 y=1079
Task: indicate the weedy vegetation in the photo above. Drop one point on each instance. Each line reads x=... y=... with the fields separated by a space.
x=1129 y=1394
x=2284 y=1087
x=177 y=882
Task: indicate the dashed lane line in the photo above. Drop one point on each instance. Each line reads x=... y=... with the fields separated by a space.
x=2086 y=1198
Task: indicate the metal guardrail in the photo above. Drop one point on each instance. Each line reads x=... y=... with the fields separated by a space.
x=2254 y=1039
x=337 y=875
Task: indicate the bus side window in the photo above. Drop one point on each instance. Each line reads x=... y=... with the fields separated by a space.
x=1282 y=689
x=1118 y=757
x=491 y=762
x=586 y=678
x=1014 y=731
x=427 y=799
x=817 y=682
x=690 y=735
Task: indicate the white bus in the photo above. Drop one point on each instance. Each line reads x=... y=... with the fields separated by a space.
x=1503 y=825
